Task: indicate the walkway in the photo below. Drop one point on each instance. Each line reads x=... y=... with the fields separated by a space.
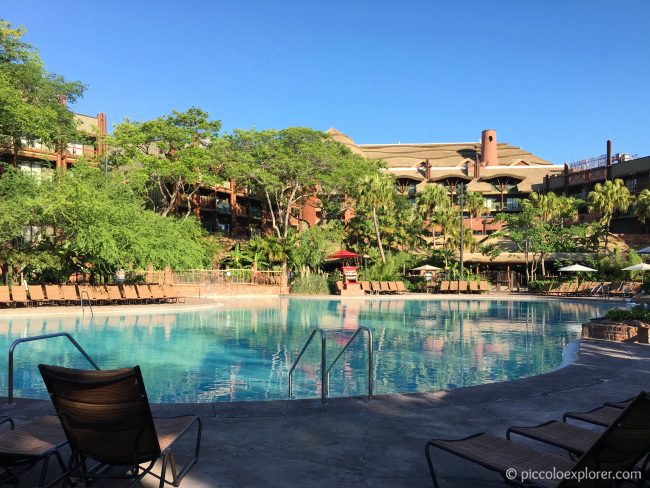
x=355 y=444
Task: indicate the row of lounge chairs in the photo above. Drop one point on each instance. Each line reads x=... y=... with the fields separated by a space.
x=378 y=287
x=104 y=417
x=456 y=286
x=620 y=448
x=593 y=288
x=93 y=294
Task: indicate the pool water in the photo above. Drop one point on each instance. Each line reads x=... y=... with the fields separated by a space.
x=243 y=348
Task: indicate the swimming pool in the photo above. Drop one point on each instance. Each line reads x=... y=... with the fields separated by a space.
x=242 y=349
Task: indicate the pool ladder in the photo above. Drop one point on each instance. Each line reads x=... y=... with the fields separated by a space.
x=10 y=371
x=325 y=371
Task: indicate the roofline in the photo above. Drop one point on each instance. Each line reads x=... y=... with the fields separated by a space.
x=424 y=144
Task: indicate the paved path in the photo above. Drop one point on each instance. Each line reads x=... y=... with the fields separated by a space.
x=355 y=444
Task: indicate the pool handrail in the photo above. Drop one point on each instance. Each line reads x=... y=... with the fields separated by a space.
x=325 y=371
x=10 y=373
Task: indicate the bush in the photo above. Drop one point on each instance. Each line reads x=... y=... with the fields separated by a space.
x=310 y=283
x=636 y=313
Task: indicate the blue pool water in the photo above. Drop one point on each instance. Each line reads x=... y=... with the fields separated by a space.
x=243 y=349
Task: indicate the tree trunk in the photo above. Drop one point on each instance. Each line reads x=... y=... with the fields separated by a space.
x=609 y=220
x=376 y=222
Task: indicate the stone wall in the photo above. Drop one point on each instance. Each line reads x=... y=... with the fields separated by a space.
x=617 y=331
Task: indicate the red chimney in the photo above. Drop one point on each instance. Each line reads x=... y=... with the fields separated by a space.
x=489 y=148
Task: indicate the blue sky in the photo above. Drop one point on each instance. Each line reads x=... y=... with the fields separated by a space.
x=556 y=77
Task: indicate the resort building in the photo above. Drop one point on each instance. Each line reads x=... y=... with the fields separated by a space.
x=501 y=172
x=577 y=179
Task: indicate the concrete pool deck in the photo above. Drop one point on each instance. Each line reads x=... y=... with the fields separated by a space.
x=350 y=442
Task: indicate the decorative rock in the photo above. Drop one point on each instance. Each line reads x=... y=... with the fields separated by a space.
x=615 y=330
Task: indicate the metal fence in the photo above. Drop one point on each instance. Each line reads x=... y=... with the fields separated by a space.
x=226 y=277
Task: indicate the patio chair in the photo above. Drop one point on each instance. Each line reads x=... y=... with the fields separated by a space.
x=473 y=287
x=444 y=287
x=376 y=287
x=339 y=287
x=5 y=296
x=401 y=289
x=145 y=293
x=19 y=296
x=453 y=286
x=36 y=294
x=54 y=294
x=483 y=286
x=70 y=294
x=21 y=448
x=172 y=293
x=462 y=287
x=618 y=448
x=106 y=418
x=392 y=286
x=114 y=294
x=130 y=294
x=384 y=287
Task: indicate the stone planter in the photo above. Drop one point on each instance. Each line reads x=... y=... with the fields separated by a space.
x=616 y=330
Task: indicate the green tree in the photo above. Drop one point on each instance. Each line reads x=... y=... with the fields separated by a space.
x=168 y=159
x=642 y=206
x=433 y=198
x=475 y=204
x=375 y=194
x=31 y=107
x=608 y=198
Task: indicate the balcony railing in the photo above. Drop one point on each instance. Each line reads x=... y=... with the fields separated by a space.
x=226 y=277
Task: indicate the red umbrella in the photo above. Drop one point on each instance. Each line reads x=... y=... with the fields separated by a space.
x=343 y=254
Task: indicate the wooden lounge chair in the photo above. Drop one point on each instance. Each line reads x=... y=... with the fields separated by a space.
x=5 y=296
x=130 y=294
x=157 y=294
x=339 y=287
x=453 y=286
x=615 y=450
x=172 y=293
x=385 y=289
x=114 y=294
x=23 y=447
x=444 y=287
x=36 y=294
x=145 y=293
x=483 y=286
x=392 y=286
x=473 y=287
x=106 y=418
x=70 y=294
x=462 y=287
x=54 y=294
x=376 y=287
x=401 y=289
x=19 y=296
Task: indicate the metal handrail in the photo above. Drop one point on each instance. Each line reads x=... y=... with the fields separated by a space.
x=325 y=372
x=10 y=378
x=90 y=304
x=370 y=354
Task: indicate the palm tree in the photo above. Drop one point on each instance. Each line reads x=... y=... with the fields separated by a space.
x=432 y=198
x=447 y=218
x=608 y=198
x=475 y=205
x=376 y=192
x=642 y=206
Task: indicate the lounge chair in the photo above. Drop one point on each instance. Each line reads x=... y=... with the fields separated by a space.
x=473 y=287
x=106 y=418
x=54 y=294
x=365 y=286
x=114 y=294
x=23 y=447
x=376 y=287
x=384 y=287
x=602 y=416
x=171 y=293
x=5 y=296
x=462 y=287
x=130 y=294
x=401 y=289
x=453 y=286
x=19 y=296
x=36 y=294
x=70 y=294
x=339 y=288
x=616 y=449
x=483 y=286
x=444 y=287
x=157 y=294
x=392 y=286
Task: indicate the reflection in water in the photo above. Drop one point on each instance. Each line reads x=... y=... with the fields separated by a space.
x=243 y=350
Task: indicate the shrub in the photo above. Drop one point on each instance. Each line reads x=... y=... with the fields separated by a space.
x=310 y=283
x=636 y=313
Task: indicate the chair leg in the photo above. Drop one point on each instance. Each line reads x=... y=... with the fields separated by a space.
x=427 y=451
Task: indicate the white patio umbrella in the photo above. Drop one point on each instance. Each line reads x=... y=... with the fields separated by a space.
x=637 y=267
x=577 y=268
x=426 y=267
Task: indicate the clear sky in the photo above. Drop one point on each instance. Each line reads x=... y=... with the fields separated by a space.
x=557 y=77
